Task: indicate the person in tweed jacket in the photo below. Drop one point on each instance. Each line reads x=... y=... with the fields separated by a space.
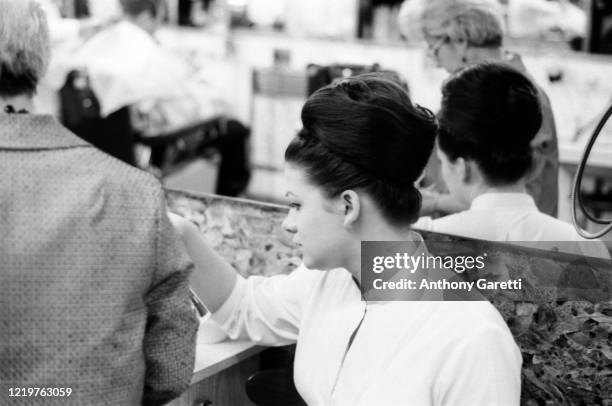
x=94 y=295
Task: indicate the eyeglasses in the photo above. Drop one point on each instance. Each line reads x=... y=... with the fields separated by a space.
x=434 y=46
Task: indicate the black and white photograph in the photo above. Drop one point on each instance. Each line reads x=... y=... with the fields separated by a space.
x=306 y=202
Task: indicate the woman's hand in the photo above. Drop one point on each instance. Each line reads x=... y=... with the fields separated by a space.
x=182 y=226
x=434 y=202
x=213 y=278
x=448 y=204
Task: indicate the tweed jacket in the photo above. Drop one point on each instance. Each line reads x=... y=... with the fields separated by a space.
x=93 y=280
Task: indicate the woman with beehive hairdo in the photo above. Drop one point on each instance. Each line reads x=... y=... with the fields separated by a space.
x=489 y=116
x=365 y=133
x=350 y=174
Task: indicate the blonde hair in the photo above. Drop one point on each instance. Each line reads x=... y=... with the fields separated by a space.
x=24 y=46
x=480 y=23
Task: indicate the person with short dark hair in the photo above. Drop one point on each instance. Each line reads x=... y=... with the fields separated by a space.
x=490 y=114
x=461 y=33
x=350 y=175
x=94 y=293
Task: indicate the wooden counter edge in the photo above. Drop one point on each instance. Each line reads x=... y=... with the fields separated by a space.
x=221 y=356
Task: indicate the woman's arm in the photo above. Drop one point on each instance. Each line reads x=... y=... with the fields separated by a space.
x=434 y=202
x=447 y=204
x=267 y=310
x=213 y=278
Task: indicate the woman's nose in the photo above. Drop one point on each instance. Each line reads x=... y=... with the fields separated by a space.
x=289 y=224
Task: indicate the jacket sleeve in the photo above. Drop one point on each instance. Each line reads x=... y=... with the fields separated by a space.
x=268 y=310
x=169 y=343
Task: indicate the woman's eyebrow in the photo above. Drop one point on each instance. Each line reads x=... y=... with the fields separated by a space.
x=290 y=193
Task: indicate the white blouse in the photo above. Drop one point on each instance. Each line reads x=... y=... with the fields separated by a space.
x=513 y=217
x=404 y=353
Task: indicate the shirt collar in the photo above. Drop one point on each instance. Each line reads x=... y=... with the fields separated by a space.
x=514 y=201
x=35 y=131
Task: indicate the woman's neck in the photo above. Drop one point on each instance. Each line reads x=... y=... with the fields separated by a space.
x=381 y=232
x=513 y=188
x=478 y=55
x=18 y=103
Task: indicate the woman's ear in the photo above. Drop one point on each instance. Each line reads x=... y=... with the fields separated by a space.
x=351 y=207
x=462 y=169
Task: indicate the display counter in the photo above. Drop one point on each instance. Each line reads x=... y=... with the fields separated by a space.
x=561 y=320
x=249 y=235
x=221 y=370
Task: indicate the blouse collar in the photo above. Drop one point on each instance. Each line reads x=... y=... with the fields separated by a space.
x=515 y=201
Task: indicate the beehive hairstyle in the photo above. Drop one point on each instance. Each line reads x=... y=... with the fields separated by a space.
x=365 y=133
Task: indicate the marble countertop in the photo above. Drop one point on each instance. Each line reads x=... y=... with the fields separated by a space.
x=246 y=233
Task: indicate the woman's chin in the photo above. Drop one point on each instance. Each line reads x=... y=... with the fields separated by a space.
x=308 y=262
x=315 y=263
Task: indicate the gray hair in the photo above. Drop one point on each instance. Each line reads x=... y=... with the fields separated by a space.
x=480 y=23
x=24 y=46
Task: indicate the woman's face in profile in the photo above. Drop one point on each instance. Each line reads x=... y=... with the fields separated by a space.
x=315 y=222
x=445 y=52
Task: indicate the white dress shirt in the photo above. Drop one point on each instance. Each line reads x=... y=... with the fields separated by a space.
x=513 y=217
x=404 y=353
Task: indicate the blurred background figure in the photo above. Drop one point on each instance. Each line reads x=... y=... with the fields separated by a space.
x=94 y=283
x=190 y=12
x=60 y=29
x=461 y=33
x=134 y=79
x=546 y=19
x=88 y=18
x=66 y=34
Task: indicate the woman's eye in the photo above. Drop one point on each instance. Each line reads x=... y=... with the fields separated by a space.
x=295 y=206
